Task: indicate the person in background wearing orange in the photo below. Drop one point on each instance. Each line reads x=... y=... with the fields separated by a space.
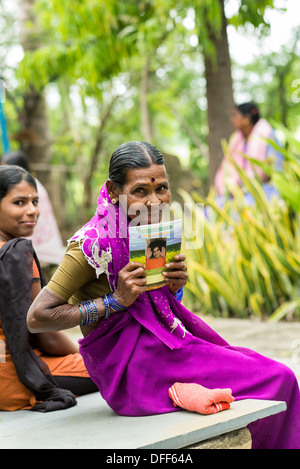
x=157 y=258
x=46 y=238
x=42 y=372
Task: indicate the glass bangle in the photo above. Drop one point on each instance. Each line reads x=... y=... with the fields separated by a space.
x=111 y=303
x=179 y=294
x=91 y=312
x=106 y=304
x=81 y=315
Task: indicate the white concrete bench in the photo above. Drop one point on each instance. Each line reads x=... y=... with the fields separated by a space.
x=92 y=424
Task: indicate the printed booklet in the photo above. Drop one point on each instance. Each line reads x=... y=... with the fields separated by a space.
x=154 y=246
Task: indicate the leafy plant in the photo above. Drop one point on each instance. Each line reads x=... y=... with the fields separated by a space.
x=250 y=263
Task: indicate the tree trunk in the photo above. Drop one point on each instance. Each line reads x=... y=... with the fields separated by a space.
x=219 y=92
x=146 y=126
x=33 y=137
x=88 y=200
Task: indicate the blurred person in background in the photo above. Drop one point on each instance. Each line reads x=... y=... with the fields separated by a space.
x=40 y=372
x=250 y=139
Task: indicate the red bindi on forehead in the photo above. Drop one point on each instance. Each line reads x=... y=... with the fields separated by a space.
x=152 y=179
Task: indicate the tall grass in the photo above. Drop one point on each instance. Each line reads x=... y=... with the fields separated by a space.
x=249 y=264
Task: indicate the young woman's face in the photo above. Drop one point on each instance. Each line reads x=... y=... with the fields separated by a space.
x=146 y=190
x=19 y=212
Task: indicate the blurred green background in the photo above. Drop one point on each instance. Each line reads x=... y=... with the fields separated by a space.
x=83 y=76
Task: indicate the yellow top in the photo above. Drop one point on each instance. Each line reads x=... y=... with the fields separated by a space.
x=75 y=279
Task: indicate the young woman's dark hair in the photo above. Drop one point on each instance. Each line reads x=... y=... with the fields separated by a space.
x=250 y=110
x=11 y=175
x=132 y=155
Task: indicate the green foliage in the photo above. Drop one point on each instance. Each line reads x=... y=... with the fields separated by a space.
x=270 y=82
x=89 y=50
x=250 y=263
x=83 y=40
x=252 y=11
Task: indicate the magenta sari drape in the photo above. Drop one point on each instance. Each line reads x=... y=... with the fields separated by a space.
x=136 y=355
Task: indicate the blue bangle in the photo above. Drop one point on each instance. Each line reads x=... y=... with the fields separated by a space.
x=81 y=315
x=91 y=312
x=179 y=294
x=111 y=303
x=114 y=303
x=106 y=304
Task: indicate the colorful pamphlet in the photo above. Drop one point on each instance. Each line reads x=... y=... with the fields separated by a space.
x=154 y=246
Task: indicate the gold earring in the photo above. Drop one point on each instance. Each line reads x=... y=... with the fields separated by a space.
x=113 y=201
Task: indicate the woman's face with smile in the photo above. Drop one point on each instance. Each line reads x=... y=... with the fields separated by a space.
x=19 y=211
x=146 y=190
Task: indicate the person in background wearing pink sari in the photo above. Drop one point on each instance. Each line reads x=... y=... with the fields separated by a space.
x=250 y=138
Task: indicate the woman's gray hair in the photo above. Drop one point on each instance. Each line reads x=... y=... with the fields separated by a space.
x=131 y=155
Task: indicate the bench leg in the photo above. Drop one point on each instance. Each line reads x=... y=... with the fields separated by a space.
x=237 y=439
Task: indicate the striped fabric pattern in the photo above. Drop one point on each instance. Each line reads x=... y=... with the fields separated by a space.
x=185 y=396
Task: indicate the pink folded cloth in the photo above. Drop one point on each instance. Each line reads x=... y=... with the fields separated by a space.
x=196 y=398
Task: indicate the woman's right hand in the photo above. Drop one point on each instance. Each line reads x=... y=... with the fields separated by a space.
x=131 y=283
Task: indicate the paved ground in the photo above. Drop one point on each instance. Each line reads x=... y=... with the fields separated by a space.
x=280 y=341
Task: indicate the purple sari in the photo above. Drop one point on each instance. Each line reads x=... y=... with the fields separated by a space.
x=135 y=356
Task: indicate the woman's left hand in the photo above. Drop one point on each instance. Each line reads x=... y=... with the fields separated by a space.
x=177 y=276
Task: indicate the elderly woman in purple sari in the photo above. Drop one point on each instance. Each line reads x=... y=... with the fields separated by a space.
x=144 y=350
